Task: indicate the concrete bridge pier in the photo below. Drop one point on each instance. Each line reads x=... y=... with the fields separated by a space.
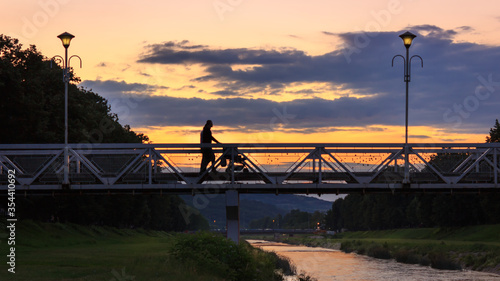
x=233 y=215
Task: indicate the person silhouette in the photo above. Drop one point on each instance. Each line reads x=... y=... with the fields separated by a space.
x=208 y=155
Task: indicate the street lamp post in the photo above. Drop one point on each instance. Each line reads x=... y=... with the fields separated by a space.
x=66 y=39
x=407 y=40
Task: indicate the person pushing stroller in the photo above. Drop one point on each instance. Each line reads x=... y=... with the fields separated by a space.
x=208 y=155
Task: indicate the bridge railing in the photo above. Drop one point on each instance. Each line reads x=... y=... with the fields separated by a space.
x=309 y=167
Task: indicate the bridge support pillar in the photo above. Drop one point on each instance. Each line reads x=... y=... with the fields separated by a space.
x=233 y=215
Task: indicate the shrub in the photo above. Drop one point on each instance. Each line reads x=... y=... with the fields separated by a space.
x=347 y=246
x=284 y=264
x=304 y=277
x=470 y=261
x=425 y=261
x=406 y=256
x=441 y=261
x=379 y=252
x=479 y=247
x=216 y=255
x=361 y=251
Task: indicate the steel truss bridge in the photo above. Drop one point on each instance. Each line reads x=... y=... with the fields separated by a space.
x=301 y=168
x=253 y=168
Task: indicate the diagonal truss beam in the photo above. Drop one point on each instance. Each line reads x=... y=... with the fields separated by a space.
x=87 y=163
x=321 y=157
x=256 y=167
x=176 y=171
x=47 y=165
x=445 y=179
x=475 y=164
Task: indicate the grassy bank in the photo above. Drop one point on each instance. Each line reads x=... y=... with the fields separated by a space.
x=474 y=247
x=72 y=252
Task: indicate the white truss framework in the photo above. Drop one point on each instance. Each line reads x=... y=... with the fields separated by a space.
x=254 y=168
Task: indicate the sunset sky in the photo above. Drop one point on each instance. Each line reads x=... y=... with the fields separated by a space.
x=279 y=71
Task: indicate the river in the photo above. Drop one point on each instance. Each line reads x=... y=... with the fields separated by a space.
x=327 y=264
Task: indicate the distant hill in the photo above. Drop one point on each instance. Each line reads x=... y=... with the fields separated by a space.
x=253 y=206
x=289 y=202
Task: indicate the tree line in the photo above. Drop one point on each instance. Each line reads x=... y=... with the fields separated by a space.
x=168 y=212
x=32 y=111
x=32 y=107
x=295 y=219
x=387 y=211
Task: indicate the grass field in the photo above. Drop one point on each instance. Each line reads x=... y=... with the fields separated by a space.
x=53 y=251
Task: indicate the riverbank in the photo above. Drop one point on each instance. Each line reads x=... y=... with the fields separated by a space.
x=327 y=264
x=54 y=251
x=473 y=248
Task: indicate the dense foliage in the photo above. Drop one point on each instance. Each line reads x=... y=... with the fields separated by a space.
x=32 y=107
x=216 y=255
x=387 y=211
x=168 y=213
x=295 y=219
x=32 y=111
x=494 y=133
x=75 y=252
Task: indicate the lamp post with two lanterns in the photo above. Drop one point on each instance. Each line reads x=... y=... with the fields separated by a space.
x=407 y=41
x=66 y=40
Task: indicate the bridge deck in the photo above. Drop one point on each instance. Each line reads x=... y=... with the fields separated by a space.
x=251 y=168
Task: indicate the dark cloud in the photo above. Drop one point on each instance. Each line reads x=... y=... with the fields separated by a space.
x=301 y=115
x=329 y=33
x=225 y=93
x=180 y=53
x=363 y=65
x=119 y=87
x=126 y=67
x=305 y=91
x=185 y=87
x=305 y=115
x=434 y=31
x=465 y=28
x=456 y=90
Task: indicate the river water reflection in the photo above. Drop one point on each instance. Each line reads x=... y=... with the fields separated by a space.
x=326 y=265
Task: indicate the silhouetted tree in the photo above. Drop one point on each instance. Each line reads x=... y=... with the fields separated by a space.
x=494 y=133
x=295 y=219
x=32 y=107
x=32 y=111
x=123 y=211
x=333 y=218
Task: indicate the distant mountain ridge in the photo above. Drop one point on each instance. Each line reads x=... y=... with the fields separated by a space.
x=290 y=202
x=253 y=206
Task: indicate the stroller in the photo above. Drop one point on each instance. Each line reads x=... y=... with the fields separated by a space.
x=238 y=163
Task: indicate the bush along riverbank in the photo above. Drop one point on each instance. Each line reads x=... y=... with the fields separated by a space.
x=472 y=248
x=215 y=255
x=55 y=251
